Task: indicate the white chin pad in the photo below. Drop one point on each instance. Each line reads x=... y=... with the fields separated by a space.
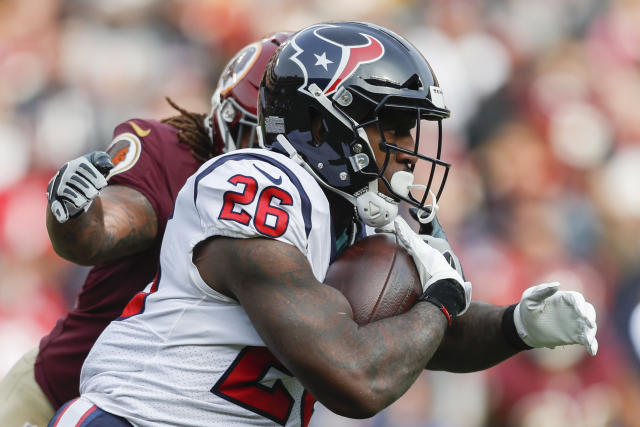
x=400 y=183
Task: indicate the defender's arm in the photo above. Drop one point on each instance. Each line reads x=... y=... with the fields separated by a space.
x=119 y=222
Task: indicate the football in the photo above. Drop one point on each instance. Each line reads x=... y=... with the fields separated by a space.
x=377 y=276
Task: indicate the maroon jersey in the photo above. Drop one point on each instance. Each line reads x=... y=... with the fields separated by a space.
x=148 y=158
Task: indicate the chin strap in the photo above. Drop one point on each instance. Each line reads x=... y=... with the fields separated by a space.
x=428 y=212
x=374 y=209
x=292 y=152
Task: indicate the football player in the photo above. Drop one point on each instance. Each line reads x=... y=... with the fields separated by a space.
x=237 y=327
x=118 y=227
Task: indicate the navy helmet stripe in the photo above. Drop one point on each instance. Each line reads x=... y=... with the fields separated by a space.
x=304 y=198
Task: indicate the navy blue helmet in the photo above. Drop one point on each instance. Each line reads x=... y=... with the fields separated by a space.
x=350 y=75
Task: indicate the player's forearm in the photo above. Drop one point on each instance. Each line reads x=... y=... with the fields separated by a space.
x=383 y=358
x=474 y=342
x=117 y=224
x=354 y=370
x=80 y=239
x=380 y=360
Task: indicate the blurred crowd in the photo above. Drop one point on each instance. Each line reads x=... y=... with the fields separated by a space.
x=544 y=139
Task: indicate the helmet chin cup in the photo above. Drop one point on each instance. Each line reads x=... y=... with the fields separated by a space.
x=402 y=183
x=428 y=212
x=375 y=209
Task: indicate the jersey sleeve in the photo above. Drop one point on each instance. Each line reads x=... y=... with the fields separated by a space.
x=246 y=198
x=136 y=152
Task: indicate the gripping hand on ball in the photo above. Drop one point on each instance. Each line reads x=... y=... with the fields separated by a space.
x=433 y=233
x=77 y=183
x=441 y=283
x=548 y=317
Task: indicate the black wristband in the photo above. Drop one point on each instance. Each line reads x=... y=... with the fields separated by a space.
x=510 y=332
x=441 y=306
x=448 y=295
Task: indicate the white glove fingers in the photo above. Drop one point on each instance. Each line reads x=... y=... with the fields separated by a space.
x=592 y=328
x=541 y=292
x=588 y=340
x=589 y=313
x=431 y=264
x=50 y=186
x=582 y=309
x=76 y=184
x=585 y=315
x=593 y=347
x=91 y=174
x=58 y=210
x=560 y=318
x=74 y=197
x=83 y=186
x=403 y=231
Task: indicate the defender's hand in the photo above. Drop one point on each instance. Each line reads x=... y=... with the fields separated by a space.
x=434 y=269
x=77 y=183
x=547 y=317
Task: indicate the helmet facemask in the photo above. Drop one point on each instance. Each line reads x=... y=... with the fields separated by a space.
x=235 y=126
x=403 y=118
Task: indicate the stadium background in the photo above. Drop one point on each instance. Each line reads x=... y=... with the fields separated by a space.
x=544 y=138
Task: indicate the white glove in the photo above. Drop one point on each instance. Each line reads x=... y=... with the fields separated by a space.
x=443 y=246
x=77 y=183
x=430 y=263
x=546 y=317
x=433 y=233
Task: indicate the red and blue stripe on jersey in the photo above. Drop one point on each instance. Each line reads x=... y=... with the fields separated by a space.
x=137 y=303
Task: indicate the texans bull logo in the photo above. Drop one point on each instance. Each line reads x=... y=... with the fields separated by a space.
x=329 y=61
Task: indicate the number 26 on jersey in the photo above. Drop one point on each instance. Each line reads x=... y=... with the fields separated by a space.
x=268 y=219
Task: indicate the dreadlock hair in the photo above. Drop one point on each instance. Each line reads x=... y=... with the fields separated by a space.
x=191 y=131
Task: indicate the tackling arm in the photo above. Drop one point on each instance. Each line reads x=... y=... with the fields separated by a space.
x=354 y=371
x=119 y=222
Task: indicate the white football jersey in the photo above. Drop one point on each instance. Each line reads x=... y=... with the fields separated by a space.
x=184 y=354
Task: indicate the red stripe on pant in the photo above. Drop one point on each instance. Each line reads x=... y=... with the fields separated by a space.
x=86 y=414
x=55 y=423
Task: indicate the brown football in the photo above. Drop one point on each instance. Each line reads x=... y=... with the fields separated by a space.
x=377 y=276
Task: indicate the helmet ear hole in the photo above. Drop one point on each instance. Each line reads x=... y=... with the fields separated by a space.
x=318 y=130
